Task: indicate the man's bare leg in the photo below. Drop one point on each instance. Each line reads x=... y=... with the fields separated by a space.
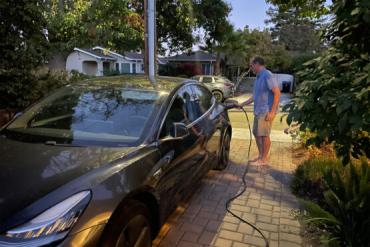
x=266 y=144
x=259 y=142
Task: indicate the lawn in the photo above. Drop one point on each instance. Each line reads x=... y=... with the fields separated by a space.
x=239 y=121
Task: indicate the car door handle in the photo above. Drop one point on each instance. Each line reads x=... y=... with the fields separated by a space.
x=167 y=159
x=163 y=163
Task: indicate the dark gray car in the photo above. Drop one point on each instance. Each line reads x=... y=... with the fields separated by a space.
x=103 y=163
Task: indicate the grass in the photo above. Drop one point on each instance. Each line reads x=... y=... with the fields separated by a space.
x=137 y=78
x=238 y=120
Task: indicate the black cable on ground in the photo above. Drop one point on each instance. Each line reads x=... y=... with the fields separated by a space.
x=245 y=187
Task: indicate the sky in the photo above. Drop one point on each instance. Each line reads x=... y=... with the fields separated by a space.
x=248 y=12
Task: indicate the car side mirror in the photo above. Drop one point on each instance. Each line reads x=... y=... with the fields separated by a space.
x=180 y=130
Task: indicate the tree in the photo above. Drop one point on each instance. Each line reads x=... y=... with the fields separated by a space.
x=333 y=99
x=80 y=23
x=175 y=24
x=245 y=44
x=23 y=48
x=118 y=24
x=309 y=8
x=299 y=34
x=211 y=17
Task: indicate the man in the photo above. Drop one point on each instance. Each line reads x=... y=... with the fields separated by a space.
x=266 y=95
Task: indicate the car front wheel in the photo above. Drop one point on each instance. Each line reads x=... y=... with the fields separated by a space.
x=130 y=227
x=224 y=152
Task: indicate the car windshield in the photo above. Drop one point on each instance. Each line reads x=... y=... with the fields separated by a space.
x=87 y=115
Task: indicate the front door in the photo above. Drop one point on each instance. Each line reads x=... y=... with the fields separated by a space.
x=206 y=69
x=179 y=156
x=134 y=68
x=125 y=68
x=210 y=122
x=106 y=66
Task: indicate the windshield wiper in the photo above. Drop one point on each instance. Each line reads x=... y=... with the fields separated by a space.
x=54 y=143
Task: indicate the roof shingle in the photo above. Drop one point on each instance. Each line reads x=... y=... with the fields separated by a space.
x=193 y=56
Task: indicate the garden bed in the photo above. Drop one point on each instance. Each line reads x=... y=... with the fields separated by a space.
x=335 y=198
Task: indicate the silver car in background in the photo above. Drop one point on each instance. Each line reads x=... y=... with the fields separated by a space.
x=221 y=87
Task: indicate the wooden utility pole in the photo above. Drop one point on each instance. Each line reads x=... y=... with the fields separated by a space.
x=150 y=39
x=146 y=51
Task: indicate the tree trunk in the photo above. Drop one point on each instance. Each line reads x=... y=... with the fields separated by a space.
x=218 y=63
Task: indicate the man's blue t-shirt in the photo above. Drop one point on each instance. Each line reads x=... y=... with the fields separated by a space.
x=263 y=97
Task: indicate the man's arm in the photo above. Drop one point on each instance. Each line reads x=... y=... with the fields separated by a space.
x=271 y=115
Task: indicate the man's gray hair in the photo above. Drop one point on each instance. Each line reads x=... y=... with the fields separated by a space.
x=258 y=60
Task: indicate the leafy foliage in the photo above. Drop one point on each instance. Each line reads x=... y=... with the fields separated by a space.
x=175 y=24
x=117 y=24
x=299 y=34
x=23 y=47
x=308 y=181
x=333 y=100
x=342 y=211
x=309 y=8
x=80 y=23
x=212 y=19
x=242 y=45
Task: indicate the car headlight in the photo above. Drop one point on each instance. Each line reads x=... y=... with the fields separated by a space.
x=51 y=225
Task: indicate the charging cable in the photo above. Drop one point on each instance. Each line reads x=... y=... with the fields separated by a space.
x=227 y=205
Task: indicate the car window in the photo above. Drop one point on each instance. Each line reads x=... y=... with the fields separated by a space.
x=87 y=115
x=176 y=114
x=204 y=98
x=207 y=79
x=197 y=78
x=219 y=79
x=181 y=111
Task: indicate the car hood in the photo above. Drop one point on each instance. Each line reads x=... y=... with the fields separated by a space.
x=29 y=171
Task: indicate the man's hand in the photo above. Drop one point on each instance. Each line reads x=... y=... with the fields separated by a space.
x=270 y=116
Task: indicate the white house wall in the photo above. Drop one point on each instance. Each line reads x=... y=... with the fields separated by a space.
x=76 y=59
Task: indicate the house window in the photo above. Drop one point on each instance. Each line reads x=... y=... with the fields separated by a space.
x=125 y=68
x=117 y=67
x=142 y=67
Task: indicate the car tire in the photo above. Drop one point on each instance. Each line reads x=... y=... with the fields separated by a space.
x=218 y=95
x=224 y=152
x=131 y=226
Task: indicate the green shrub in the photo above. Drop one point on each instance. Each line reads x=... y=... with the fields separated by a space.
x=21 y=90
x=308 y=181
x=333 y=97
x=111 y=72
x=336 y=199
x=77 y=76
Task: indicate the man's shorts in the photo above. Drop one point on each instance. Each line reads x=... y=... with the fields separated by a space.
x=261 y=127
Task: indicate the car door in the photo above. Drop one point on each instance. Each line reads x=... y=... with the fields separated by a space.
x=178 y=156
x=210 y=123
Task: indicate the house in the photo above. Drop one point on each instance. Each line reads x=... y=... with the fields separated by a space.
x=99 y=61
x=194 y=63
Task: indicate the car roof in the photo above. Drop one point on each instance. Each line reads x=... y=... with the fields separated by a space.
x=164 y=83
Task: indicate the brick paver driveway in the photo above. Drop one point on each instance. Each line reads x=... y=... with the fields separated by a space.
x=203 y=221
